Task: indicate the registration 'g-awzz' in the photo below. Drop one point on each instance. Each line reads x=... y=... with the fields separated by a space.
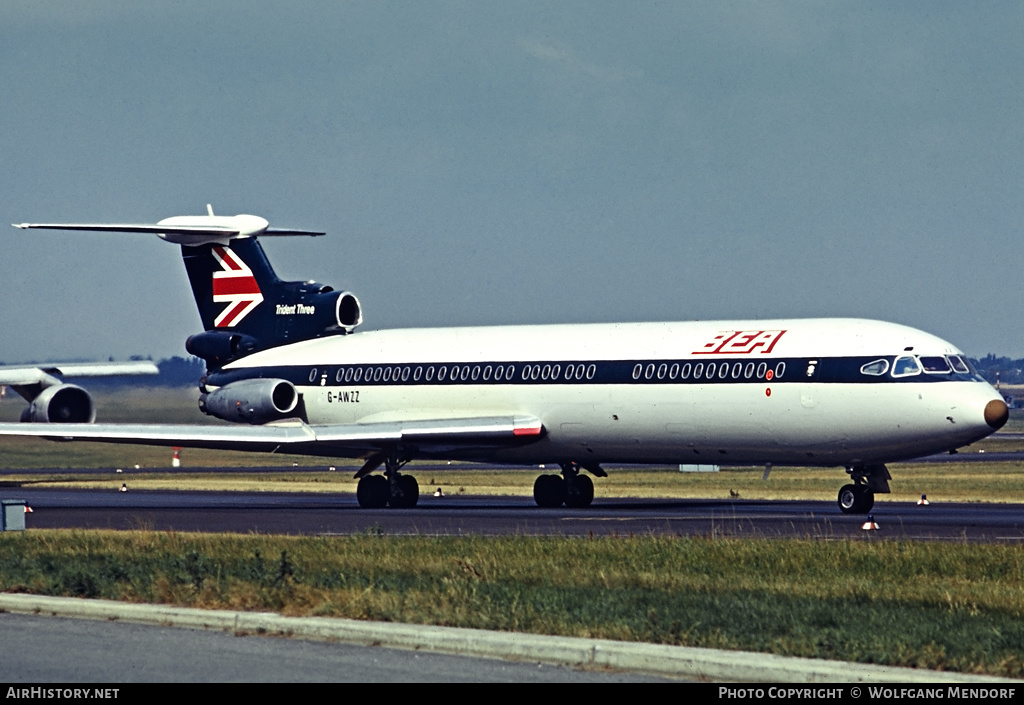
x=284 y=360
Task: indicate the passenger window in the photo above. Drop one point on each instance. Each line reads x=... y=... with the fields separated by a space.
x=905 y=367
x=935 y=365
x=876 y=368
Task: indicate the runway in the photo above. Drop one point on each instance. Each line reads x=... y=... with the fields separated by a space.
x=339 y=514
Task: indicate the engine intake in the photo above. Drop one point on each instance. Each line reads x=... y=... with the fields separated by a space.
x=347 y=311
x=253 y=401
x=61 y=403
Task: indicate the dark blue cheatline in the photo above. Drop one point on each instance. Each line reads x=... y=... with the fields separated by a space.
x=721 y=370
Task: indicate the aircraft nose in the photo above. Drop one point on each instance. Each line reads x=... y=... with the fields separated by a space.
x=996 y=414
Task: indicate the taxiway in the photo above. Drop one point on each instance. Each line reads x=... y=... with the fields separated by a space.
x=300 y=513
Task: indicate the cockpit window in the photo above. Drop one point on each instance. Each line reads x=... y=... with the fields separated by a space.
x=875 y=368
x=905 y=367
x=958 y=364
x=935 y=365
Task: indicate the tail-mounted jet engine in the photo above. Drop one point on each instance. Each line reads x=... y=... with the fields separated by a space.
x=306 y=310
x=61 y=403
x=254 y=401
x=219 y=347
x=314 y=310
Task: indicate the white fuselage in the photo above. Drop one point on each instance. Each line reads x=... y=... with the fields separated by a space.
x=788 y=392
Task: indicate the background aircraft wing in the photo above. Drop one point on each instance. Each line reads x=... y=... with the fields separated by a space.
x=334 y=440
x=16 y=375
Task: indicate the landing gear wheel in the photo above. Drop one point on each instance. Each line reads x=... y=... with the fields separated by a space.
x=372 y=492
x=856 y=499
x=579 y=493
x=549 y=491
x=409 y=493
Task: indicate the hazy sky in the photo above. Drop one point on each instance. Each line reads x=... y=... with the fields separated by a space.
x=519 y=162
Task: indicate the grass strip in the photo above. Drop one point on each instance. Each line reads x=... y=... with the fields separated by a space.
x=951 y=607
x=952 y=482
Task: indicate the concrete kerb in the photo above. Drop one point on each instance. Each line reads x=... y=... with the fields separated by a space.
x=672 y=661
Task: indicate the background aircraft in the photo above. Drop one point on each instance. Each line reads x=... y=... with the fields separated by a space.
x=51 y=399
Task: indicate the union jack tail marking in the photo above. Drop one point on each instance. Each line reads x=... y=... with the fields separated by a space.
x=236 y=285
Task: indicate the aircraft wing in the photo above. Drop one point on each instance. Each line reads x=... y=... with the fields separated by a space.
x=18 y=375
x=333 y=440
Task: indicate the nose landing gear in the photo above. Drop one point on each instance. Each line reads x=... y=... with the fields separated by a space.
x=859 y=497
x=856 y=499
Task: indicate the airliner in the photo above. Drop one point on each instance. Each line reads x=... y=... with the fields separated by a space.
x=51 y=399
x=285 y=361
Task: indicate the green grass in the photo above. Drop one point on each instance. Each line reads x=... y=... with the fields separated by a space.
x=938 y=606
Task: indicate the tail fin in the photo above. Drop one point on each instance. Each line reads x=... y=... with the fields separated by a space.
x=228 y=282
x=245 y=307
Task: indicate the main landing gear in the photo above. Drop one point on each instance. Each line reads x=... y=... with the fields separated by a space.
x=390 y=489
x=859 y=497
x=571 y=489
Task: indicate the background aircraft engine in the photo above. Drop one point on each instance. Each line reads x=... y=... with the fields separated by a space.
x=61 y=403
x=254 y=401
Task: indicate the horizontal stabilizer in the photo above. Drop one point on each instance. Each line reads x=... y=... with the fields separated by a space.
x=217 y=230
x=190 y=230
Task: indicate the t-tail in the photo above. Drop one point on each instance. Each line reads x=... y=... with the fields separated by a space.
x=245 y=307
x=243 y=304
